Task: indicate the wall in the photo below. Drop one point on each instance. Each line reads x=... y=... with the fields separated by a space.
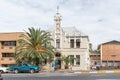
x=13 y=36
x=111 y=52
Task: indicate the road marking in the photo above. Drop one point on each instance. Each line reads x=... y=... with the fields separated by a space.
x=107 y=79
x=96 y=75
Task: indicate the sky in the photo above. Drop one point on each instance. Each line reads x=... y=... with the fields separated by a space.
x=99 y=19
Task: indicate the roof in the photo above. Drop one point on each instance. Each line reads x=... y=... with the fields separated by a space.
x=112 y=42
x=94 y=54
x=72 y=31
x=11 y=32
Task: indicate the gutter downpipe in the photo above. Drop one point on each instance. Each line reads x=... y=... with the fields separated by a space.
x=101 y=55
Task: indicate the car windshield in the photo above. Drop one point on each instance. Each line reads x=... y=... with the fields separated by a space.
x=26 y=64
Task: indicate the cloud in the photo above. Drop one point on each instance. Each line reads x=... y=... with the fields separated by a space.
x=99 y=19
x=21 y=14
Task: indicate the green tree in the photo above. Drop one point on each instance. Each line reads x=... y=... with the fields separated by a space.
x=90 y=47
x=67 y=60
x=34 y=46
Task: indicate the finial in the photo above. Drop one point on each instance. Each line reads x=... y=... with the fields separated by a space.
x=57 y=9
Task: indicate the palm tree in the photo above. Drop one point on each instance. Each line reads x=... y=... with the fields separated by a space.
x=90 y=47
x=67 y=60
x=35 y=46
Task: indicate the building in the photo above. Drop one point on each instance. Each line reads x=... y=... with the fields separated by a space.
x=69 y=41
x=95 y=59
x=110 y=53
x=7 y=47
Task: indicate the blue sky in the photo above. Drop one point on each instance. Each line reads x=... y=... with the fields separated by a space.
x=99 y=19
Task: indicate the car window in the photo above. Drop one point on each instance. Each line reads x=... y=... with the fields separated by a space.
x=25 y=64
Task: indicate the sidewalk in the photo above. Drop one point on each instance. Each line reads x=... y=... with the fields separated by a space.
x=98 y=72
x=84 y=72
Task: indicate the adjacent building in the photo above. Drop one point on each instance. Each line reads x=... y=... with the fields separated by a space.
x=110 y=53
x=95 y=59
x=8 y=42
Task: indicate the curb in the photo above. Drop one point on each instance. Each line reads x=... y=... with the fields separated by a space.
x=98 y=72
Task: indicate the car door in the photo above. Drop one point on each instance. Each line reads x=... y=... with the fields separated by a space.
x=24 y=68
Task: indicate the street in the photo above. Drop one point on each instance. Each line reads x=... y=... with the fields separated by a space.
x=59 y=76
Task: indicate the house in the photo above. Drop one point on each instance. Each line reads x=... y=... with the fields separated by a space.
x=69 y=41
x=8 y=42
x=95 y=59
x=110 y=53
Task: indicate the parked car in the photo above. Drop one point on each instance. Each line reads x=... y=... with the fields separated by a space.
x=24 y=67
x=4 y=69
x=1 y=77
x=96 y=67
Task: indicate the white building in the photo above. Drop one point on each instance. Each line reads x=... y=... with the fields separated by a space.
x=69 y=41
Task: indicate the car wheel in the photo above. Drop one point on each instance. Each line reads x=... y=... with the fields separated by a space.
x=32 y=71
x=16 y=71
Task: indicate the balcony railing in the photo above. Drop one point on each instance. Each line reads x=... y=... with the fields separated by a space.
x=7 y=58
x=2 y=47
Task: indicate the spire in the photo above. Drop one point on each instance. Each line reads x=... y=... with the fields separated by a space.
x=57 y=18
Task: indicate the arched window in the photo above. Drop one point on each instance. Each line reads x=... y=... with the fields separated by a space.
x=72 y=43
x=57 y=43
x=72 y=57
x=77 y=59
x=78 y=43
x=57 y=54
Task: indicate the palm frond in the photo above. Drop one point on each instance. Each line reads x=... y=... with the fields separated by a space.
x=31 y=43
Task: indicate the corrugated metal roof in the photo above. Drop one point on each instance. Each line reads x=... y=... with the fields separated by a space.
x=112 y=42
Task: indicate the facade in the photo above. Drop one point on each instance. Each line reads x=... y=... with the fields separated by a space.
x=95 y=59
x=110 y=53
x=7 y=48
x=68 y=41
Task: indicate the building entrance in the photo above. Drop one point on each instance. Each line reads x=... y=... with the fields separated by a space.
x=58 y=59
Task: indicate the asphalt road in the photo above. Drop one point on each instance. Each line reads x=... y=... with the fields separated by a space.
x=60 y=76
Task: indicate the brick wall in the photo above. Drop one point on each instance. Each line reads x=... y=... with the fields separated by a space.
x=111 y=52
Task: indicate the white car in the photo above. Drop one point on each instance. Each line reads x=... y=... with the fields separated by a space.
x=1 y=77
x=96 y=67
x=4 y=69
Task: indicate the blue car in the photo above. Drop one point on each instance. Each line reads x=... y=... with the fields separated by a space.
x=24 y=67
